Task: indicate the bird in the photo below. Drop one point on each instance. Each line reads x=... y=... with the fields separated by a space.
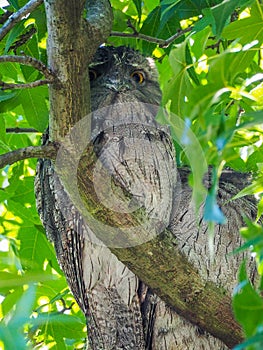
x=136 y=153
x=139 y=154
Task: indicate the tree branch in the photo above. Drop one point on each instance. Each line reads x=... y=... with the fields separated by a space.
x=46 y=151
x=7 y=86
x=161 y=42
x=72 y=42
x=16 y=17
x=4 y=17
x=99 y=18
x=67 y=51
x=20 y=130
x=30 y=61
x=161 y=264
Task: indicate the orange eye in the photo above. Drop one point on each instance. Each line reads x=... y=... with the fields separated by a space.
x=138 y=76
x=92 y=75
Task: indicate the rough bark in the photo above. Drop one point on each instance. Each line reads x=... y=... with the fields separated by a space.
x=72 y=41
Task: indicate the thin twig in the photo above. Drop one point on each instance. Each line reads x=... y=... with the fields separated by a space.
x=16 y=17
x=161 y=42
x=30 y=61
x=22 y=39
x=12 y=86
x=46 y=151
x=4 y=17
x=20 y=130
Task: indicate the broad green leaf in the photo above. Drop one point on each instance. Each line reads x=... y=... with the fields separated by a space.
x=11 y=298
x=10 y=72
x=11 y=330
x=256 y=339
x=178 y=86
x=254 y=160
x=247 y=304
x=6 y=95
x=30 y=253
x=169 y=28
x=199 y=42
x=150 y=27
x=185 y=8
x=138 y=5
x=14 y=3
x=23 y=308
x=249 y=29
x=35 y=106
x=10 y=281
x=30 y=48
x=15 y=32
x=220 y=14
x=189 y=62
x=225 y=68
x=200 y=100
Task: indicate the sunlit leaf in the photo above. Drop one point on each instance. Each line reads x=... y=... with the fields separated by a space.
x=247 y=304
x=249 y=29
x=35 y=106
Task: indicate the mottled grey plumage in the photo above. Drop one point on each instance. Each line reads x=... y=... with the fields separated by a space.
x=123 y=313
x=133 y=148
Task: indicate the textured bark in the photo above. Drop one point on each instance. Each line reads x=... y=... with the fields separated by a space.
x=72 y=41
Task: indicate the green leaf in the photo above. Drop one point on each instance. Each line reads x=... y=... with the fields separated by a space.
x=11 y=298
x=138 y=5
x=11 y=332
x=220 y=14
x=14 y=33
x=255 y=188
x=14 y=3
x=247 y=304
x=31 y=255
x=150 y=27
x=6 y=95
x=185 y=8
x=178 y=84
x=189 y=62
x=248 y=29
x=35 y=106
x=258 y=338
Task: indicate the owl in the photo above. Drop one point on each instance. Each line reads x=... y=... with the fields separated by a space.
x=138 y=154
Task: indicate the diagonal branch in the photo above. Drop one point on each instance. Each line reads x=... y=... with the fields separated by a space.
x=4 y=17
x=46 y=151
x=7 y=86
x=16 y=17
x=20 y=130
x=161 y=42
x=30 y=61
